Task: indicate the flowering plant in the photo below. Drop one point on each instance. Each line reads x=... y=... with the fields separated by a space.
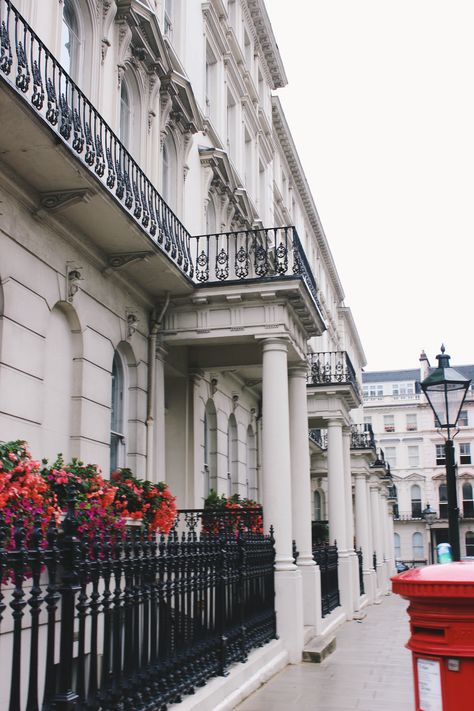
x=145 y=501
x=34 y=492
x=224 y=510
x=24 y=495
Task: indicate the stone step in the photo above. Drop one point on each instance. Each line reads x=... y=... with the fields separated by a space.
x=308 y=634
x=318 y=649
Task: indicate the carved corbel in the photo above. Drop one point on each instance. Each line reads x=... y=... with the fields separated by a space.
x=73 y=277
x=132 y=322
x=117 y=261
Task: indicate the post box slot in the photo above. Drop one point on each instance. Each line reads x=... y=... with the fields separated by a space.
x=429 y=631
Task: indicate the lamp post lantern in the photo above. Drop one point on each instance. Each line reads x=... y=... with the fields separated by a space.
x=430 y=516
x=445 y=390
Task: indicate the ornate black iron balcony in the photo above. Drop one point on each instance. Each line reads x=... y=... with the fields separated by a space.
x=29 y=68
x=319 y=437
x=362 y=437
x=36 y=75
x=331 y=368
x=252 y=254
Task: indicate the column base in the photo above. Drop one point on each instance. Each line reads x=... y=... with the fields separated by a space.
x=311 y=581
x=289 y=612
x=346 y=582
x=370 y=585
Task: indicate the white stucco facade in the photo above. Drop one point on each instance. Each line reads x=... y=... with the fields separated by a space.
x=114 y=350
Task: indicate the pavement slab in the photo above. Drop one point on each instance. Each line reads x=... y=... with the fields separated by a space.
x=369 y=671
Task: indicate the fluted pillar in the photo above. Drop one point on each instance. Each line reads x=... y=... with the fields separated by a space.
x=337 y=512
x=301 y=496
x=160 y=440
x=276 y=478
x=363 y=534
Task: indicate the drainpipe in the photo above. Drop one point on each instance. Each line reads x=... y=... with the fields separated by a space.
x=156 y=322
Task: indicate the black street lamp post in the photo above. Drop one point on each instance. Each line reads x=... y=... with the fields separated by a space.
x=430 y=516
x=445 y=390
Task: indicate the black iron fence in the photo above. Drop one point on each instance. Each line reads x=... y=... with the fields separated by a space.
x=326 y=558
x=361 y=571
x=252 y=254
x=109 y=622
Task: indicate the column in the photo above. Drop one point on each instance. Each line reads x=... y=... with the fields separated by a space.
x=337 y=512
x=301 y=496
x=363 y=536
x=376 y=534
x=276 y=479
x=383 y=530
x=353 y=561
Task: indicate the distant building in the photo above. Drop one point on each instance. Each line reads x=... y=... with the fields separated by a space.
x=403 y=424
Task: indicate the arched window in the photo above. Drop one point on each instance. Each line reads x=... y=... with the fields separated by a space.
x=70 y=41
x=232 y=457
x=252 y=483
x=210 y=449
x=117 y=415
x=317 y=506
x=210 y=218
x=467 y=502
x=169 y=172
x=415 y=501
x=443 y=501
x=397 y=546
x=125 y=114
x=470 y=543
x=418 y=546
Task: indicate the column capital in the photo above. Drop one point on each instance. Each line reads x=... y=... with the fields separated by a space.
x=298 y=370
x=161 y=352
x=274 y=343
x=334 y=422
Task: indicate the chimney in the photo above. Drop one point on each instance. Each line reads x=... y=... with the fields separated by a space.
x=424 y=366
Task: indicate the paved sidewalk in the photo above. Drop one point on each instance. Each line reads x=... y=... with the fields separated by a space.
x=369 y=671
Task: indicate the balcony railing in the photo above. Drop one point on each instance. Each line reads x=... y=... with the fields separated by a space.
x=362 y=437
x=33 y=72
x=326 y=558
x=58 y=101
x=139 y=621
x=319 y=437
x=252 y=254
x=331 y=368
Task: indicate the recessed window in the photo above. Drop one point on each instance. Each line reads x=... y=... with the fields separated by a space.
x=440 y=454
x=391 y=456
x=467 y=501
x=463 y=420
x=117 y=426
x=389 y=423
x=415 y=501
x=465 y=453
x=70 y=42
x=443 y=501
x=412 y=424
x=470 y=543
x=413 y=456
x=417 y=546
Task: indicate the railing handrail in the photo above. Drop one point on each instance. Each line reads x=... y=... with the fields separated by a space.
x=68 y=107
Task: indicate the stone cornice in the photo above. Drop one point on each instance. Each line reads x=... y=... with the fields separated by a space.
x=267 y=42
x=285 y=138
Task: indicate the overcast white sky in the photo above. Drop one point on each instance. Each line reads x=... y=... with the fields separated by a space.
x=380 y=101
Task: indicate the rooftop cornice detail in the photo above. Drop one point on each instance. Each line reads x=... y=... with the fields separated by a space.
x=285 y=138
x=267 y=42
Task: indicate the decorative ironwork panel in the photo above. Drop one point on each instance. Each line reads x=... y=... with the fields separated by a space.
x=326 y=557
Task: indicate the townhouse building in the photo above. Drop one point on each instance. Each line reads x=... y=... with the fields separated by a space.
x=169 y=302
x=404 y=426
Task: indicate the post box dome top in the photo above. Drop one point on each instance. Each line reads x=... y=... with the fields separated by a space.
x=455 y=580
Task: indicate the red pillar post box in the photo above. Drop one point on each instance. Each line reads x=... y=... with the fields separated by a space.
x=441 y=614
